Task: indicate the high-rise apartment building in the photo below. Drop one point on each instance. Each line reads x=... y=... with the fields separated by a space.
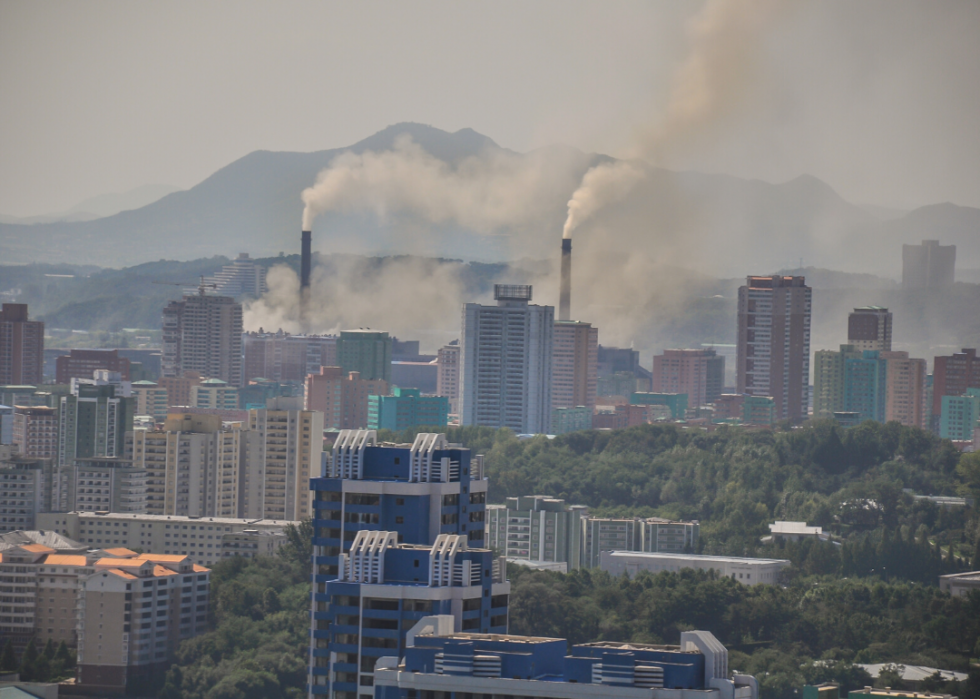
x=619 y=372
x=21 y=346
x=574 y=358
x=369 y=591
x=103 y=485
x=928 y=266
x=151 y=399
x=283 y=453
x=447 y=376
x=216 y=394
x=505 y=362
x=959 y=415
x=36 y=432
x=406 y=408
x=905 y=389
x=342 y=397
x=537 y=528
x=828 y=379
x=882 y=386
x=203 y=333
x=6 y=425
x=193 y=465
x=952 y=375
x=280 y=356
x=865 y=386
x=92 y=423
x=700 y=373
x=367 y=352
x=83 y=363
x=243 y=277
x=418 y=490
x=870 y=328
x=26 y=487
x=383 y=592
x=773 y=353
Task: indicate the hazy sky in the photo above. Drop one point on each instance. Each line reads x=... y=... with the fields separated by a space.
x=879 y=99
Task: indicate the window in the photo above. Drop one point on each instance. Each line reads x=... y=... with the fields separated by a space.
x=478 y=498
x=450 y=500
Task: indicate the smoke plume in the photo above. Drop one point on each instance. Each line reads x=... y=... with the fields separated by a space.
x=486 y=193
x=725 y=42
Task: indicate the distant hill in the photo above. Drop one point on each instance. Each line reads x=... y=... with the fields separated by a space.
x=101 y=205
x=723 y=225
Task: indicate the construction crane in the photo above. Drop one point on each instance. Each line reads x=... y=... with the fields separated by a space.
x=201 y=285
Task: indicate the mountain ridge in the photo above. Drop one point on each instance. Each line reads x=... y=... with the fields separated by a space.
x=738 y=225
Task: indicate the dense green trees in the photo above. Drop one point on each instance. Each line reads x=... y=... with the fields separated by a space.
x=811 y=630
x=51 y=664
x=870 y=597
x=257 y=648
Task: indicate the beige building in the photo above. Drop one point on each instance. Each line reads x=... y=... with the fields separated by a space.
x=342 y=397
x=132 y=611
x=284 y=450
x=206 y=540
x=905 y=391
x=36 y=431
x=574 y=356
x=216 y=394
x=203 y=333
x=151 y=399
x=193 y=465
x=447 y=375
x=179 y=387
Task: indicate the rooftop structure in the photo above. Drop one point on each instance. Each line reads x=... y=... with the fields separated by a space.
x=749 y=571
x=502 y=665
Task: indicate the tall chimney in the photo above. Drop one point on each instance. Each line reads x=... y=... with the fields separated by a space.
x=565 y=296
x=305 y=259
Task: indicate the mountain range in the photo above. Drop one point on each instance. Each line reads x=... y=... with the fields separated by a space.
x=725 y=225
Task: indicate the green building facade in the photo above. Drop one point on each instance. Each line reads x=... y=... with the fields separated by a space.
x=365 y=351
x=677 y=402
x=570 y=419
x=828 y=379
x=407 y=408
x=959 y=415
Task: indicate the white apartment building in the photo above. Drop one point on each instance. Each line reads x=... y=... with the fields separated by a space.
x=205 y=540
x=505 y=362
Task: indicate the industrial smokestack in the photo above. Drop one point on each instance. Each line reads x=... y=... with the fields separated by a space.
x=305 y=260
x=565 y=296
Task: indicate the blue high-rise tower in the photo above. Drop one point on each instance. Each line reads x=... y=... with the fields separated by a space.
x=398 y=535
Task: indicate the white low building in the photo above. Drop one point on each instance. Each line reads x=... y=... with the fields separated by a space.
x=960 y=584
x=206 y=540
x=795 y=531
x=748 y=571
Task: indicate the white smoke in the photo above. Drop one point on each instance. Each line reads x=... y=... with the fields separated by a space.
x=488 y=192
x=602 y=185
x=725 y=43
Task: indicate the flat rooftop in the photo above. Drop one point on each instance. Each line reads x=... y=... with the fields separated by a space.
x=697 y=557
x=179 y=518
